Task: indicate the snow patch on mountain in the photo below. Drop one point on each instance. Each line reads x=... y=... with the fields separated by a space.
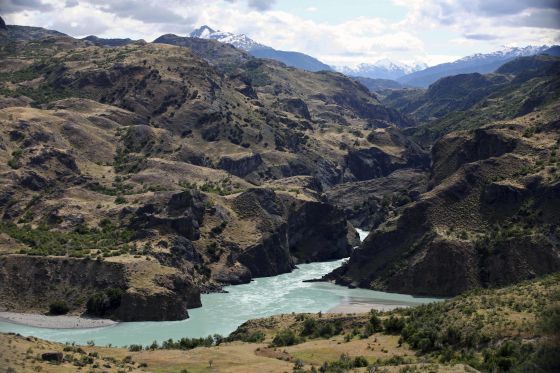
x=382 y=69
x=240 y=41
x=506 y=53
x=482 y=63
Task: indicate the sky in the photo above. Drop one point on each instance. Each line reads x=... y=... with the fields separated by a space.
x=347 y=32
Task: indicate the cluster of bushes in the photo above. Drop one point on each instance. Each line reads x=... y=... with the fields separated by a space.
x=248 y=336
x=22 y=75
x=14 y=161
x=118 y=188
x=343 y=364
x=286 y=337
x=214 y=251
x=313 y=328
x=392 y=325
x=104 y=303
x=426 y=330
x=125 y=162
x=80 y=358
x=42 y=94
x=42 y=241
x=181 y=344
x=58 y=307
x=217 y=230
x=223 y=187
x=324 y=329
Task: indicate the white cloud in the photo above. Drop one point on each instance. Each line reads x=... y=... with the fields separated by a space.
x=476 y=25
x=511 y=21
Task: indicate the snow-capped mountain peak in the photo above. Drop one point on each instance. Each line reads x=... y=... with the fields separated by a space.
x=506 y=53
x=240 y=41
x=384 y=68
x=245 y=43
x=203 y=32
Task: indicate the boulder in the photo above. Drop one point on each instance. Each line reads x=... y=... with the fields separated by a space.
x=240 y=166
x=52 y=356
x=178 y=213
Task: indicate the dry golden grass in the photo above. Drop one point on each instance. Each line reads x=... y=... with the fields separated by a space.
x=377 y=346
x=23 y=355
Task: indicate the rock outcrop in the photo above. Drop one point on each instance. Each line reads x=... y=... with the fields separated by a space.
x=292 y=230
x=240 y=166
x=31 y=283
x=367 y=204
x=171 y=213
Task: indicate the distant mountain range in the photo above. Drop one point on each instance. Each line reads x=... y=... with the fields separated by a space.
x=476 y=63
x=376 y=76
x=382 y=69
x=382 y=72
x=243 y=42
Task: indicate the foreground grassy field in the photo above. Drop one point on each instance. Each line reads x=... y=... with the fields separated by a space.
x=514 y=329
x=21 y=354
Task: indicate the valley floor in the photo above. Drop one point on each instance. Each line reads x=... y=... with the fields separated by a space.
x=60 y=322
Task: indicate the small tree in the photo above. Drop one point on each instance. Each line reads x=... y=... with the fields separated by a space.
x=58 y=307
x=375 y=324
x=394 y=325
x=309 y=326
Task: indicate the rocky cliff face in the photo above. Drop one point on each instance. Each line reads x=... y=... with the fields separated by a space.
x=291 y=230
x=367 y=204
x=32 y=283
x=318 y=231
x=170 y=213
x=490 y=219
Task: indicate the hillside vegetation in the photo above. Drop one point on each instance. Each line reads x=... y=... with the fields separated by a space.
x=468 y=101
x=187 y=166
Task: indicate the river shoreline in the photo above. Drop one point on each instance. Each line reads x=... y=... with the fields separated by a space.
x=79 y=322
x=364 y=307
x=54 y=322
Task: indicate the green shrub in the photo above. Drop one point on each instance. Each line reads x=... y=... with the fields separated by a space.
x=285 y=338
x=326 y=330
x=190 y=343
x=374 y=324
x=14 y=161
x=58 y=307
x=104 y=303
x=393 y=325
x=43 y=241
x=251 y=337
x=309 y=327
x=360 y=362
x=344 y=363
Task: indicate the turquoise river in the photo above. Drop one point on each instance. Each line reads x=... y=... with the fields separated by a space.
x=222 y=313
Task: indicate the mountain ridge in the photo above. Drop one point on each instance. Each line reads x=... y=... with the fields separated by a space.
x=243 y=42
x=477 y=63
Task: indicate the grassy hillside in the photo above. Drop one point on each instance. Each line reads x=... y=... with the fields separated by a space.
x=468 y=101
x=489 y=218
